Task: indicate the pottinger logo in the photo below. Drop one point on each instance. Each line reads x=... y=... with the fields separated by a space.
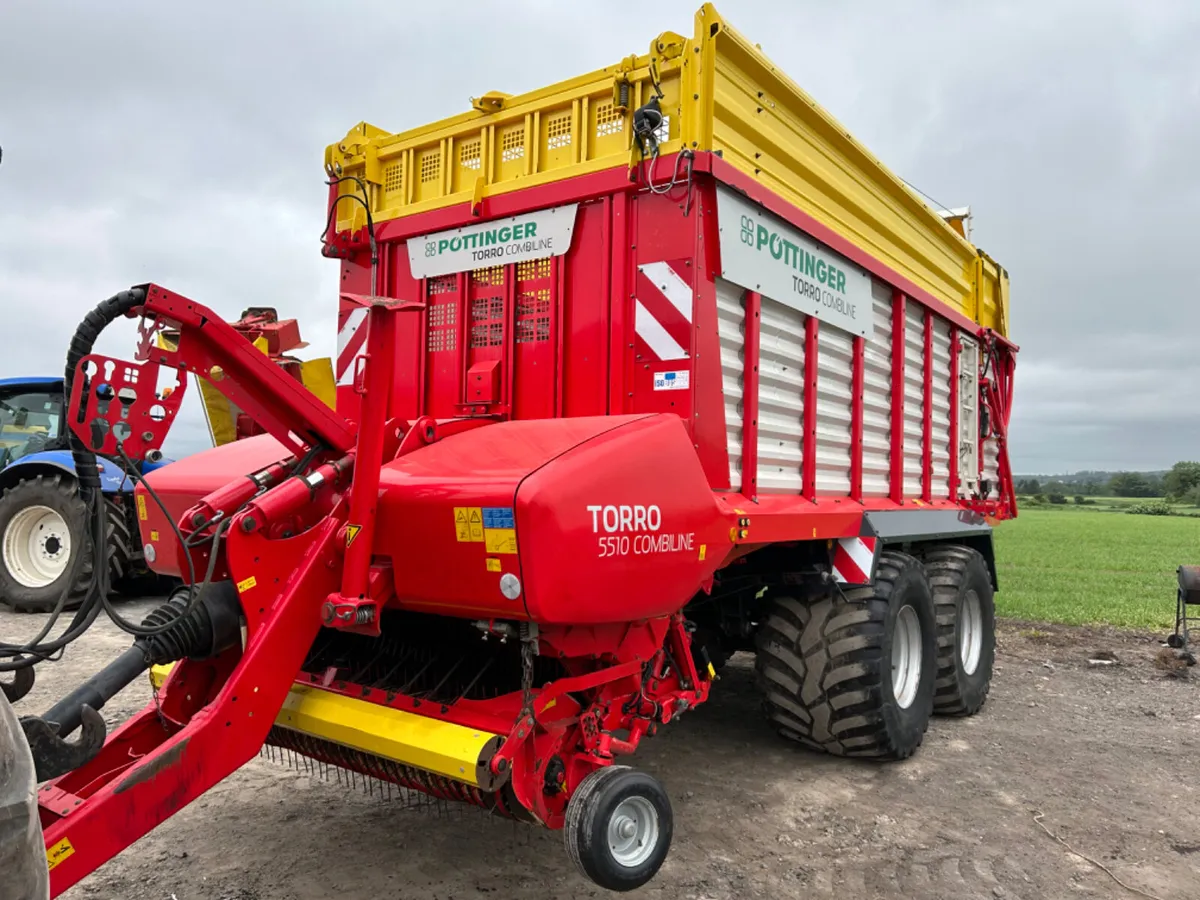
x=747 y=231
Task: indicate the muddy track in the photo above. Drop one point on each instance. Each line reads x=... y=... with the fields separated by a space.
x=1111 y=756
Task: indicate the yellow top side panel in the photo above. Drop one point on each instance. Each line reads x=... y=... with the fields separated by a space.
x=722 y=94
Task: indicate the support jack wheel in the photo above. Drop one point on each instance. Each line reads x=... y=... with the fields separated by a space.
x=619 y=826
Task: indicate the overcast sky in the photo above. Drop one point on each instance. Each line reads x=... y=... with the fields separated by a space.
x=144 y=143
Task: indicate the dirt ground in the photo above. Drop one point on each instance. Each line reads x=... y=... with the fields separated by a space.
x=1111 y=756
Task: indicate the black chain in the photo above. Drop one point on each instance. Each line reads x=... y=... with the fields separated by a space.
x=526 y=674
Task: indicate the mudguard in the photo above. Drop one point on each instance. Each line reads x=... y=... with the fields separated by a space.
x=112 y=479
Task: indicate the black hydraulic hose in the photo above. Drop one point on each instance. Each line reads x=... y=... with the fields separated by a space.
x=81 y=345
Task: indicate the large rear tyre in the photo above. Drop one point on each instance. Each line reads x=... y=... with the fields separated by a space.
x=22 y=849
x=966 y=629
x=852 y=673
x=619 y=826
x=44 y=545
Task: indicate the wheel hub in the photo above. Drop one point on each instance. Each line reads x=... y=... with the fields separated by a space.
x=633 y=831
x=36 y=546
x=906 y=657
x=970 y=632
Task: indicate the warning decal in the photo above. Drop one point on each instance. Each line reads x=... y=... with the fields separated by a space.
x=468 y=523
x=499 y=529
x=141 y=508
x=59 y=852
x=351 y=533
x=493 y=565
x=245 y=584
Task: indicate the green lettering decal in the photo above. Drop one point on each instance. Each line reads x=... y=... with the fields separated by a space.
x=518 y=232
x=442 y=245
x=763 y=236
x=489 y=238
x=505 y=234
x=456 y=244
x=789 y=253
x=821 y=271
x=530 y=229
x=809 y=262
x=841 y=285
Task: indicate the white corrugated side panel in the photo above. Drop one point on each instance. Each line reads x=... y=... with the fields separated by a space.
x=991 y=468
x=877 y=395
x=731 y=329
x=780 y=398
x=941 y=407
x=835 y=372
x=914 y=397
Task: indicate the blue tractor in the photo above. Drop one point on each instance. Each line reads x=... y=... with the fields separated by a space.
x=43 y=545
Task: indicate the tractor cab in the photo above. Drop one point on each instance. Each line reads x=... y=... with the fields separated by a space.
x=30 y=416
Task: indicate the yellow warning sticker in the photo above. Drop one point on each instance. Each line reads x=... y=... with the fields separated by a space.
x=468 y=523
x=154 y=535
x=703 y=550
x=59 y=852
x=493 y=565
x=351 y=533
x=500 y=540
x=141 y=507
x=245 y=584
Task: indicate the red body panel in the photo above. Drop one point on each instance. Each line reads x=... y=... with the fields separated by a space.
x=580 y=509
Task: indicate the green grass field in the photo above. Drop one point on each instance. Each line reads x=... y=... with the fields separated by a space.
x=1078 y=566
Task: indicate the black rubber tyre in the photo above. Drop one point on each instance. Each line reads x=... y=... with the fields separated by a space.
x=825 y=666
x=121 y=545
x=602 y=802
x=965 y=609
x=59 y=493
x=22 y=849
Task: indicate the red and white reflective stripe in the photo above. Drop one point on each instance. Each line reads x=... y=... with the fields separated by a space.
x=663 y=310
x=352 y=339
x=854 y=560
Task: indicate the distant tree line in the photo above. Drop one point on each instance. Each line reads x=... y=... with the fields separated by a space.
x=1180 y=484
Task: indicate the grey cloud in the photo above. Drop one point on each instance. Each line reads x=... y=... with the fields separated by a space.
x=145 y=141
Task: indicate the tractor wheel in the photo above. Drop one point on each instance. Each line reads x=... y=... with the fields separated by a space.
x=852 y=673
x=618 y=828
x=44 y=546
x=22 y=849
x=966 y=629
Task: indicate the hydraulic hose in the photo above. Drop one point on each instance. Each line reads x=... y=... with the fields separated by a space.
x=81 y=345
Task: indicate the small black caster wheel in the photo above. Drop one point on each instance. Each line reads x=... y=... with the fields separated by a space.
x=619 y=827
x=1175 y=641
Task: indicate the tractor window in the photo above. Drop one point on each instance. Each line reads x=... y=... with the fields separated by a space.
x=29 y=420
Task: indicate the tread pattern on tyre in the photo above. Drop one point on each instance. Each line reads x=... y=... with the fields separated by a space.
x=947 y=568
x=827 y=695
x=579 y=807
x=120 y=543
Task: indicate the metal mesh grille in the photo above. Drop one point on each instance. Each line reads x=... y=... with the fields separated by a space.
x=493 y=275
x=512 y=144
x=442 y=333
x=608 y=120
x=534 y=268
x=558 y=132
x=393 y=177
x=443 y=284
x=468 y=155
x=431 y=166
